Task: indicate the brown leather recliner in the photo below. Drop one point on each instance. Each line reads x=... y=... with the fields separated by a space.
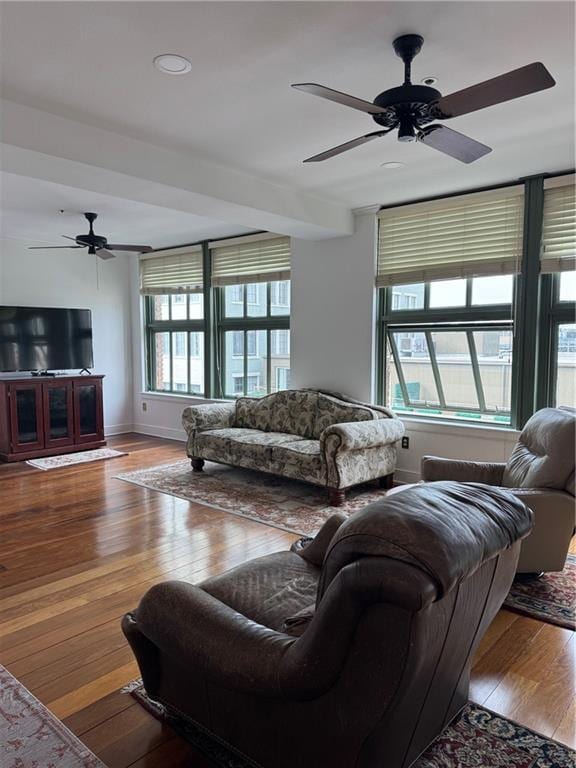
x=540 y=472
x=353 y=649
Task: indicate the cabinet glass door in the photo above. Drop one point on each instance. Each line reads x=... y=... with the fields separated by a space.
x=58 y=414
x=87 y=401
x=26 y=416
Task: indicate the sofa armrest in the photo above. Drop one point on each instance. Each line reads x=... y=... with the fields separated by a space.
x=313 y=549
x=190 y=625
x=208 y=416
x=356 y=435
x=434 y=468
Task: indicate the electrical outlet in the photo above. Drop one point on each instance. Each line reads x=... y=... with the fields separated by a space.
x=144 y=406
x=405 y=442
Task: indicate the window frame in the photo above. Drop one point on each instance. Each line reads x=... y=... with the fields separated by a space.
x=267 y=322
x=155 y=326
x=468 y=319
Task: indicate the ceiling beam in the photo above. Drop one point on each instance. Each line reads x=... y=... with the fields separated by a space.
x=41 y=145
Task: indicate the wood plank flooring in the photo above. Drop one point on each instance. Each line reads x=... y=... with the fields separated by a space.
x=78 y=548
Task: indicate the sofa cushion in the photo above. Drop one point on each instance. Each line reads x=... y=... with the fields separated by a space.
x=543 y=457
x=290 y=411
x=330 y=411
x=300 y=460
x=245 y=447
x=269 y=589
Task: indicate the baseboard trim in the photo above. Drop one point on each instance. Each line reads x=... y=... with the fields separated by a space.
x=406 y=476
x=117 y=429
x=168 y=432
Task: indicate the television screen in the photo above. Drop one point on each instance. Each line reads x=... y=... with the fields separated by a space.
x=33 y=338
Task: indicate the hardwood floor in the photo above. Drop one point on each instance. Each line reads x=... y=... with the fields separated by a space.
x=78 y=548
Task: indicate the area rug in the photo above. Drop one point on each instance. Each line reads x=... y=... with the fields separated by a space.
x=30 y=735
x=551 y=598
x=478 y=738
x=280 y=502
x=81 y=457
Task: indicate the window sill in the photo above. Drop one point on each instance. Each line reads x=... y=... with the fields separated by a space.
x=173 y=397
x=445 y=426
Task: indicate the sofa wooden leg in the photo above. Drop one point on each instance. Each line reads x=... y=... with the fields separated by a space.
x=387 y=481
x=197 y=464
x=336 y=496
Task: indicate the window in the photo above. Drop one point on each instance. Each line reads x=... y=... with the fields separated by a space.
x=175 y=334
x=252 y=344
x=282 y=378
x=459 y=369
x=239 y=343
x=558 y=293
x=280 y=343
x=447 y=332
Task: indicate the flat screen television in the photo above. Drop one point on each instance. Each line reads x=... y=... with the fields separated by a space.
x=45 y=338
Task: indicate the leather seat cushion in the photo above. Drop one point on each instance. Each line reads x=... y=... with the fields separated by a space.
x=267 y=590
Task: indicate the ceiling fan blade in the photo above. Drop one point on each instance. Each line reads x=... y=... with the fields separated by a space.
x=520 y=82
x=103 y=253
x=453 y=143
x=53 y=247
x=339 y=97
x=69 y=238
x=345 y=147
x=133 y=248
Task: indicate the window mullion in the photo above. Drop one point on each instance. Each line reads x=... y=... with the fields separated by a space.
x=435 y=369
x=399 y=369
x=476 y=371
x=269 y=354
x=245 y=388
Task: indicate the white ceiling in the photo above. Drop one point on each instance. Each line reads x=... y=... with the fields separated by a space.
x=92 y=62
x=31 y=211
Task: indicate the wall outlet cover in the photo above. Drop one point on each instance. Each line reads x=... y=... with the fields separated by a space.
x=405 y=442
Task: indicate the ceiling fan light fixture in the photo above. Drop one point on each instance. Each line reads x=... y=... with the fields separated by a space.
x=172 y=64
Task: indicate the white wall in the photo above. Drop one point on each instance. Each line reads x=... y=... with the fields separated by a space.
x=75 y=279
x=332 y=317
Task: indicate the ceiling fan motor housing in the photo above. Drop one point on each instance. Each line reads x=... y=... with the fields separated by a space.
x=406 y=103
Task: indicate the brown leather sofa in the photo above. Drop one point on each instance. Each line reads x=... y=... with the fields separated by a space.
x=540 y=472
x=353 y=649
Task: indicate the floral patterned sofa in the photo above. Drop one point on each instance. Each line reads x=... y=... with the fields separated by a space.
x=311 y=435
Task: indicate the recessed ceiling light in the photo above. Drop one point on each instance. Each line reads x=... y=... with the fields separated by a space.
x=392 y=164
x=429 y=80
x=172 y=64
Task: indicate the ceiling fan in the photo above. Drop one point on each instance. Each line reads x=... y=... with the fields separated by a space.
x=411 y=108
x=96 y=244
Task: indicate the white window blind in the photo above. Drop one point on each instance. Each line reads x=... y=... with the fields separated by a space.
x=252 y=259
x=465 y=236
x=176 y=271
x=559 y=225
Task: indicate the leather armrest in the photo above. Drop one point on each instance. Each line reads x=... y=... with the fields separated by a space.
x=355 y=435
x=208 y=416
x=313 y=550
x=196 y=628
x=435 y=468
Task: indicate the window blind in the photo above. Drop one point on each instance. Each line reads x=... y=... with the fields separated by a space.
x=175 y=271
x=252 y=259
x=465 y=236
x=559 y=225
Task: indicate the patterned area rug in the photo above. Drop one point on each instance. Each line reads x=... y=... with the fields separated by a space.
x=551 y=598
x=287 y=504
x=478 y=738
x=68 y=459
x=30 y=735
